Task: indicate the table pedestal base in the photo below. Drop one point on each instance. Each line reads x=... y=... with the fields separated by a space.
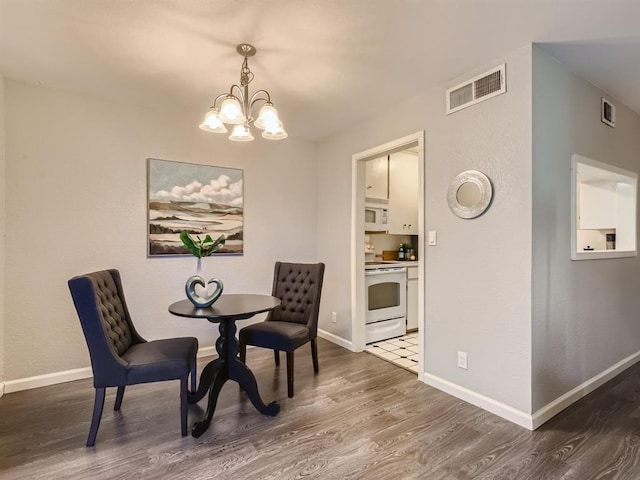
x=226 y=367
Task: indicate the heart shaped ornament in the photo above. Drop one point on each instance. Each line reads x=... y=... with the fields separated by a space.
x=202 y=298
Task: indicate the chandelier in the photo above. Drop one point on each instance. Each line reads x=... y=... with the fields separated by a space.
x=236 y=108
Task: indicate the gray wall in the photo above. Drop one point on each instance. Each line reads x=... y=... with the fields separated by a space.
x=478 y=278
x=2 y=230
x=76 y=202
x=584 y=313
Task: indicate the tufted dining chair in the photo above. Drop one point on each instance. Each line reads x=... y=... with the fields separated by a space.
x=119 y=355
x=295 y=321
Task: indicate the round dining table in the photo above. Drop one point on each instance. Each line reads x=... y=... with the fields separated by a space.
x=225 y=311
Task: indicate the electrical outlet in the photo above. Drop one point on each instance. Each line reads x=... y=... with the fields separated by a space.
x=334 y=317
x=462 y=360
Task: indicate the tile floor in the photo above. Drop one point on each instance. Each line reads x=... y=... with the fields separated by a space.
x=401 y=351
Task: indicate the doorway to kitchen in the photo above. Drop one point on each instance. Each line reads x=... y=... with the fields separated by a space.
x=387 y=235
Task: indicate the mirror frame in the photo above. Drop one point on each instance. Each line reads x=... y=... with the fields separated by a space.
x=486 y=194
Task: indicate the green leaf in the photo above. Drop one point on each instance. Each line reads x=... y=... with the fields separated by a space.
x=215 y=246
x=192 y=245
x=201 y=248
x=219 y=243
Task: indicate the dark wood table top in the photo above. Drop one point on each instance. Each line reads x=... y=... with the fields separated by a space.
x=233 y=306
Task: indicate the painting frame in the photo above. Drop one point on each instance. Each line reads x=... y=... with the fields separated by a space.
x=202 y=199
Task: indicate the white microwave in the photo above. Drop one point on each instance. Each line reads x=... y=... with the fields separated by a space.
x=376 y=218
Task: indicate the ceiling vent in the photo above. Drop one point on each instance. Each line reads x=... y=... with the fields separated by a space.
x=477 y=89
x=608 y=113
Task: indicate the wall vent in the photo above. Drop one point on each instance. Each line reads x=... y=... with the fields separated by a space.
x=477 y=89
x=608 y=113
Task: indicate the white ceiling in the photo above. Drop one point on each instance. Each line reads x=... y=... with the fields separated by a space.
x=326 y=63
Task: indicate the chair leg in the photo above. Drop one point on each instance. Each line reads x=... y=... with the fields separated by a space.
x=243 y=352
x=314 y=355
x=119 y=397
x=194 y=375
x=276 y=355
x=183 y=404
x=98 y=404
x=290 y=374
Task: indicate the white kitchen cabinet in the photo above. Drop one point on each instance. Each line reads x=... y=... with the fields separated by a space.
x=403 y=193
x=377 y=178
x=597 y=206
x=412 y=297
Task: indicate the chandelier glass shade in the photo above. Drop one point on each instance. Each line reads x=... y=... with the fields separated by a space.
x=235 y=108
x=241 y=133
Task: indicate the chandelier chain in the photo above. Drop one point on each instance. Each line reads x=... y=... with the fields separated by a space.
x=246 y=75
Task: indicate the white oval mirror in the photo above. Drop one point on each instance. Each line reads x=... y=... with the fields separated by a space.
x=469 y=194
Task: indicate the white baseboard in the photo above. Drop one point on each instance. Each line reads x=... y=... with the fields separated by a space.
x=206 y=352
x=64 y=376
x=47 y=379
x=501 y=409
x=336 y=339
x=531 y=422
x=556 y=406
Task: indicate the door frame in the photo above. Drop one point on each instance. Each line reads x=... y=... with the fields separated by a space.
x=358 y=189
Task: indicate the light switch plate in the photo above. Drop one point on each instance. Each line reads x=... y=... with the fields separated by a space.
x=432 y=237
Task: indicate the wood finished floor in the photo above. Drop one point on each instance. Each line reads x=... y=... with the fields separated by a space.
x=360 y=417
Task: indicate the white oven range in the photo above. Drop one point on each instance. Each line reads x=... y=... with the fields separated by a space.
x=385 y=302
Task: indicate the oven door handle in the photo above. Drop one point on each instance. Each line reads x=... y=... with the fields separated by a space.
x=384 y=272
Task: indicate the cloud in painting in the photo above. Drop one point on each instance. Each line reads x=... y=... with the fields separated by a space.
x=218 y=190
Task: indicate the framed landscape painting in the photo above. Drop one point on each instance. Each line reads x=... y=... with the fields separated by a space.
x=198 y=198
